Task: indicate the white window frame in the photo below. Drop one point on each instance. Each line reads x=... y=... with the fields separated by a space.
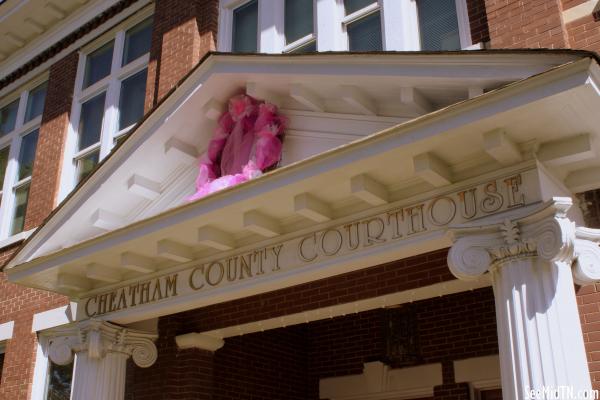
x=399 y=25
x=111 y=86
x=14 y=140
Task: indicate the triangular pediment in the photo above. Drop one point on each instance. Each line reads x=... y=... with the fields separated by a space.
x=338 y=105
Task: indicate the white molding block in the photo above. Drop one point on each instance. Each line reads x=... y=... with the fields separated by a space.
x=475 y=91
x=368 y=190
x=213 y=109
x=72 y=282
x=106 y=220
x=257 y=91
x=312 y=208
x=358 y=100
x=199 y=341
x=582 y=180
x=14 y=39
x=102 y=273
x=143 y=187
x=34 y=25
x=53 y=318
x=55 y=11
x=261 y=224
x=433 y=170
x=137 y=263
x=215 y=238
x=479 y=372
x=501 y=148
x=181 y=151
x=174 y=251
x=566 y=151
x=379 y=382
x=307 y=97
x=6 y=330
x=415 y=101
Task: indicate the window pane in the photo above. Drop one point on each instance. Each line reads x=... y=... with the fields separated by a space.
x=27 y=154
x=35 y=102
x=97 y=64
x=86 y=164
x=365 y=34
x=307 y=48
x=298 y=19
x=137 y=41
x=59 y=381
x=131 y=102
x=21 y=198
x=438 y=24
x=354 y=5
x=8 y=117
x=245 y=28
x=3 y=164
x=90 y=121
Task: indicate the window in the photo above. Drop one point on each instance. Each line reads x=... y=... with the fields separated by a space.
x=363 y=25
x=58 y=381
x=290 y=26
x=19 y=128
x=245 y=28
x=299 y=26
x=109 y=97
x=2 y=352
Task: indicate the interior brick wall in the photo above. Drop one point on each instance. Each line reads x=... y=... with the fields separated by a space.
x=19 y=304
x=287 y=363
x=45 y=180
x=184 y=31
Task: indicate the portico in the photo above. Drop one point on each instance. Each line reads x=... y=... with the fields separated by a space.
x=369 y=183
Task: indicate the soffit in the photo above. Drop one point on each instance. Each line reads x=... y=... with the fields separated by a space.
x=531 y=112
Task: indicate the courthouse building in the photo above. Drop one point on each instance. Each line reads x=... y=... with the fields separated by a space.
x=299 y=199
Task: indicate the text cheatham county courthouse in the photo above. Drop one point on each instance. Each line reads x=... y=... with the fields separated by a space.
x=299 y=199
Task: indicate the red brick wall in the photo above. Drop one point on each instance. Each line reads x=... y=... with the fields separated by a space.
x=184 y=31
x=525 y=24
x=18 y=304
x=45 y=180
x=584 y=33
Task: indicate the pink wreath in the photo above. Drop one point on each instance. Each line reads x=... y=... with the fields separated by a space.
x=246 y=142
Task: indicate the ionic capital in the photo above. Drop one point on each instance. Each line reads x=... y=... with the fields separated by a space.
x=97 y=338
x=546 y=233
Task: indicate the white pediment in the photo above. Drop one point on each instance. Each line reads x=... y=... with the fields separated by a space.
x=364 y=130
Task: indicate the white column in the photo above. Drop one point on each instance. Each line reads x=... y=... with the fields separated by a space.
x=102 y=350
x=531 y=261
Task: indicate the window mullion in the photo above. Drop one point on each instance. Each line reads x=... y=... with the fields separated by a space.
x=10 y=179
x=271 y=37
x=111 y=114
x=331 y=35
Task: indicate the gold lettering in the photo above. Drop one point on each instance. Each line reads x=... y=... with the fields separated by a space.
x=397 y=216
x=232 y=276
x=301 y=248
x=111 y=303
x=191 y=282
x=493 y=200
x=277 y=250
x=145 y=292
x=245 y=266
x=221 y=273
x=157 y=290
x=171 y=285
x=466 y=211
x=87 y=305
x=415 y=220
x=337 y=246
x=102 y=303
x=512 y=185
x=122 y=303
x=432 y=214
x=373 y=238
x=258 y=257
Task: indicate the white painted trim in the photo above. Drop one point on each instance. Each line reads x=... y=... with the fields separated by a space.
x=579 y=11
x=40 y=372
x=53 y=318
x=393 y=299
x=199 y=341
x=6 y=330
x=380 y=382
x=482 y=373
x=16 y=238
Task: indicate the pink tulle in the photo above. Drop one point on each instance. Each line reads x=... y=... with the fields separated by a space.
x=246 y=141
